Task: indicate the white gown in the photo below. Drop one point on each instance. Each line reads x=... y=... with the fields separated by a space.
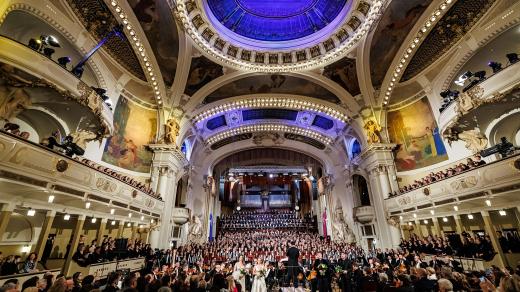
x=238 y=276
x=259 y=281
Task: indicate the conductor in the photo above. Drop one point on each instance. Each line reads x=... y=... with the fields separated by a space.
x=292 y=264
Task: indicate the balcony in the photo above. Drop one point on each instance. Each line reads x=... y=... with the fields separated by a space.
x=180 y=215
x=364 y=214
x=29 y=172
x=500 y=179
x=25 y=58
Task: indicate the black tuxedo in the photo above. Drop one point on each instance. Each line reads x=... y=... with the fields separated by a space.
x=293 y=253
x=322 y=281
x=345 y=265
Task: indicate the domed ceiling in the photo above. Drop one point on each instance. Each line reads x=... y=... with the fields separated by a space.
x=276 y=20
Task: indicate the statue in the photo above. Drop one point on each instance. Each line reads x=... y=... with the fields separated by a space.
x=276 y=138
x=469 y=100
x=325 y=185
x=171 y=132
x=373 y=130
x=340 y=229
x=13 y=101
x=394 y=222
x=82 y=137
x=195 y=230
x=475 y=140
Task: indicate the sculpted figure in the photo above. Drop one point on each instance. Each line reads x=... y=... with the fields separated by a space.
x=172 y=129
x=373 y=132
x=82 y=137
x=13 y=101
x=195 y=230
x=475 y=140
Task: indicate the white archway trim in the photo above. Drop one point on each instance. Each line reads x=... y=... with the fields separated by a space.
x=285 y=101
x=269 y=127
x=58 y=120
x=492 y=127
x=411 y=44
x=343 y=95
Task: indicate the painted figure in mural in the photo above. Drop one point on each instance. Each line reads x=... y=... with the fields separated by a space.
x=172 y=129
x=373 y=132
x=12 y=102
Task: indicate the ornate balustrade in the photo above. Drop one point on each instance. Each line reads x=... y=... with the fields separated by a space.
x=493 y=178
x=180 y=215
x=105 y=268
x=24 y=162
x=57 y=77
x=364 y=214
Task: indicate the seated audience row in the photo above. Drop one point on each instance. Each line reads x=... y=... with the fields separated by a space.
x=276 y=218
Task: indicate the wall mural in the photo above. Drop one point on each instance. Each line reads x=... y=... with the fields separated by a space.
x=271 y=84
x=160 y=28
x=344 y=73
x=393 y=28
x=134 y=128
x=202 y=71
x=415 y=131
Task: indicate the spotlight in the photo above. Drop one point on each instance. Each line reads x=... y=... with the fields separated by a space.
x=113 y=222
x=481 y=75
x=512 y=57
x=488 y=203
x=63 y=61
x=432 y=212
x=87 y=205
x=48 y=52
x=238 y=208
x=456 y=208
x=445 y=219
x=78 y=71
x=271 y=175
x=66 y=217
x=35 y=44
x=112 y=211
x=50 y=199
x=410 y=223
x=502 y=212
x=470 y=216
x=495 y=66
x=93 y=220
x=297 y=208
x=129 y=224
x=425 y=221
x=31 y=212
x=50 y=40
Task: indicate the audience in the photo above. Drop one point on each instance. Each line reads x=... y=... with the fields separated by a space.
x=442 y=175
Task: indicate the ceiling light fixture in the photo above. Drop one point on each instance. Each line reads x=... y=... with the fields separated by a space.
x=31 y=212
x=50 y=199
x=66 y=217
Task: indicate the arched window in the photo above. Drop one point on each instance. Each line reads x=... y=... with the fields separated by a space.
x=356 y=148
x=361 y=189
x=184 y=148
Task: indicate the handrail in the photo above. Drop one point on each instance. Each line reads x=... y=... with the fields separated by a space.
x=25 y=276
x=75 y=161
x=457 y=174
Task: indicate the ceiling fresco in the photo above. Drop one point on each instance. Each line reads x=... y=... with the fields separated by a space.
x=393 y=28
x=461 y=17
x=272 y=84
x=161 y=31
x=202 y=71
x=344 y=73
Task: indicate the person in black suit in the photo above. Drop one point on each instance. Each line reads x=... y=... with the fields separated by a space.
x=293 y=253
x=345 y=264
x=322 y=266
x=435 y=262
x=423 y=283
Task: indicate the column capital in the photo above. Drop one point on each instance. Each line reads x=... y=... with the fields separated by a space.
x=168 y=156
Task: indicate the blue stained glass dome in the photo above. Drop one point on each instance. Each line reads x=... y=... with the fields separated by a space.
x=275 y=20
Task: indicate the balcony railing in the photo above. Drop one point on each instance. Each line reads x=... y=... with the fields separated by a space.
x=498 y=176
x=364 y=214
x=30 y=162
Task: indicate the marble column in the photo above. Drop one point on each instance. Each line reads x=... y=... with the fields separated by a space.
x=490 y=230
x=167 y=187
x=5 y=214
x=44 y=233
x=76 y=234
x=101 y=230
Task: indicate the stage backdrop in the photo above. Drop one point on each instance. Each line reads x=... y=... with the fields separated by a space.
x=134 y=127
x=415 y=131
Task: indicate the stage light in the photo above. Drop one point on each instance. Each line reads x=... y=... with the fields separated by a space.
x=48 y=52
x=271 y=175
x=63 y=61
x=425 y=221
x=87 y=205
x=113 y=222
x=238 y=208
x=93 y=220
x=502 y=212
x=470 y=216
x=512 y=57
x=50 y=199
x=481 y=75
x=66 y=217
x=495 y=66
x=445 y=219
x=112 y=211
x=456 y=208
x=31 y=212
x=78 y=71
x=50 y=40
x=488 y=203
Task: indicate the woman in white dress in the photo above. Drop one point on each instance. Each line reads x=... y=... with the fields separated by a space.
x=238 y=274
x=259 y=272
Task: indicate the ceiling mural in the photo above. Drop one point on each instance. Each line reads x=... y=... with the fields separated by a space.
x=99 y=21
x=393 y=28
x=161 y=31
x=415 y=131
x=344 y=73
x=450 y=29
x=202 y=71
x=272 y=84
